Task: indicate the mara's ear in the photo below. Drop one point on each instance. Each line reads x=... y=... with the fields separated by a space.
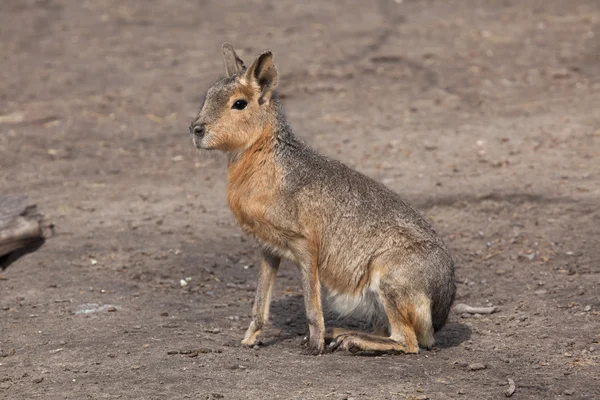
x=233 y=64
x=263 y=73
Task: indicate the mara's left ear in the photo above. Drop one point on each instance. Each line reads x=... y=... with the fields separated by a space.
x=263 y=73
x=233 y=64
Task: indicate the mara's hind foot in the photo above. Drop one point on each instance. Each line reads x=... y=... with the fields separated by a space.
x=355 y=342
x=332 y=333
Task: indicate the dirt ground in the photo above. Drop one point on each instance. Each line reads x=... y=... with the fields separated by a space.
x=482 y=114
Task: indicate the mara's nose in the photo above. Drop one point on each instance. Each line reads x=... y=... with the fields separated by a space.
x=198 y=130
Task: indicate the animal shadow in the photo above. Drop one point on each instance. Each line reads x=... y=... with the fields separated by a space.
x=7 y=259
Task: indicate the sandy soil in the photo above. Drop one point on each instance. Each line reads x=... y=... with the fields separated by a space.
x=483 y=114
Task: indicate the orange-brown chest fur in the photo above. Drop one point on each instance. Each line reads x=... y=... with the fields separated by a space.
x=254 y=192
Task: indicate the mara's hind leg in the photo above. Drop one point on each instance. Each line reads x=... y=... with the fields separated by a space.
x=332 y=333
x=357 y=341
x=409 y=326
x=410 y=318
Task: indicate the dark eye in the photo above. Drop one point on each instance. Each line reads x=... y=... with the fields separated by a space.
x=239 y=104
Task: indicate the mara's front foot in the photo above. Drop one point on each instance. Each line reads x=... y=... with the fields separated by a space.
x=313 y=346
x=252 y=333
x=314 y=349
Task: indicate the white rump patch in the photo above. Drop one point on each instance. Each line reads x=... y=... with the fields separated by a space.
x=365 y=305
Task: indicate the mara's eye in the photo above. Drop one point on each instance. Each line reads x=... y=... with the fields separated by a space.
x=239 y=104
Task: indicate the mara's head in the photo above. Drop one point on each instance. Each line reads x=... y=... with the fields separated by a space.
x=238 y=108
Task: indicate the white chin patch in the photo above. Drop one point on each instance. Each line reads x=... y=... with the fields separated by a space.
x=197 y=142
x=203 y=143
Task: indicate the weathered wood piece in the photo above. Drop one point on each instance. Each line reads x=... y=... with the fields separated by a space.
x=464 y=308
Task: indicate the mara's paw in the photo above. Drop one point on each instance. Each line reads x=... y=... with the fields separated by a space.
x=248 y=342
x=346 y=342
x=312 y=347
x=251 y=335
x=311 y=350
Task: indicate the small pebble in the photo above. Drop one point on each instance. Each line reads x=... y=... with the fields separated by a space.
x=164 y=314
x=477 y=366
x=256 y=347
x=587 y=308
x=171 y=352
x=465 y=315
x=569 y=392
x=460 y=391
x=38 y=380
x=111 y=309
x=540 y=292
x=5 y=308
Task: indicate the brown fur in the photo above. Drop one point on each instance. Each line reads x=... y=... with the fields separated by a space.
x=252 y=189
x=353 y=239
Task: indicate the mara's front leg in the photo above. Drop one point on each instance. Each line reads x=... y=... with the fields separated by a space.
x=260 y=311
x=312 y=303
